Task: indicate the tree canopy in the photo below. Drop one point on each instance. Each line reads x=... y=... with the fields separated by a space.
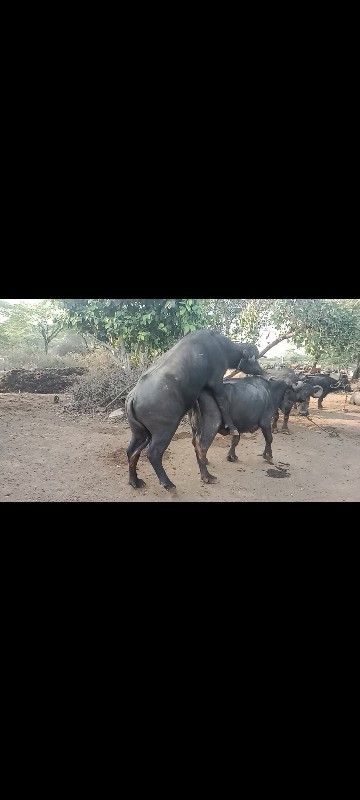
x=326 y=328
x=26 y=323
x=134 y=324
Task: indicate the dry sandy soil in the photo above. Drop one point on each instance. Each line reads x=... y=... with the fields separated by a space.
x=48 y=455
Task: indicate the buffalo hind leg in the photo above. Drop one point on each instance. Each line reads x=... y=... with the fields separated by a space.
x=234 y=443
x=193 y=444
x=224 y=406
x=320 y=405
x=275 y=422
x=266 y=430
x=285 y=428
x=202 y=461
x=155 y=455
x=136 y=445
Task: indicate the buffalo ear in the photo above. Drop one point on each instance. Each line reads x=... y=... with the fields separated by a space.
x=319 y=391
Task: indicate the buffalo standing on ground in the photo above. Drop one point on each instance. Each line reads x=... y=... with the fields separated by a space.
x=171 y=386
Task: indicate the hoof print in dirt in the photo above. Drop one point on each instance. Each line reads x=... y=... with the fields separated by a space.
x=277 y=473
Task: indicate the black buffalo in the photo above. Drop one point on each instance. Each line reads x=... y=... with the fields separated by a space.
x=286 y=373
x=282 y=372
x=253 y=403
x=171 y=386
x=290 y=400
x=328 y=385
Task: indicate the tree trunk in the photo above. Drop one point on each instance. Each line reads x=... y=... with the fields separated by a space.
x=85 y=341
x=313 y=368
x=356 y=374
x=46 y=345
x=99 y=343
x=122 y=346
x=276 y=341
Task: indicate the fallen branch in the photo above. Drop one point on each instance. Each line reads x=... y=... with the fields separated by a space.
x=129 y=386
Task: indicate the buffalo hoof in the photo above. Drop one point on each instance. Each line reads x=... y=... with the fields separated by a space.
x=285 y=430
x=137 y=483
x=210 y=478
x=231 y=457
x=274 y=430
x=168 y=486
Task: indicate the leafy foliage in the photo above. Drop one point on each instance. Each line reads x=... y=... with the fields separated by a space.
x=26 y=323
x=322 y=326
x=135 y=324
x=328 y=329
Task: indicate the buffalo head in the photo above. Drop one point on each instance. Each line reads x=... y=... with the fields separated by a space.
x=249 y=363
x=304 y=397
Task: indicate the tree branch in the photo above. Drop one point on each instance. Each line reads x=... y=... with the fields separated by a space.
x=55 y=332
x=276 y=341
x=98 y=341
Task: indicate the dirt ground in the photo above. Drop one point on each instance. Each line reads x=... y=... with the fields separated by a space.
x=48 y=455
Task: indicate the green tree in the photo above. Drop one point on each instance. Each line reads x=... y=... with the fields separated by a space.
x=294 y=356
x=345 y=347
x=223 y=315
x=133 y=325
x=25 y=323
x=48 y=319
x=321 y=326
x=238 y=318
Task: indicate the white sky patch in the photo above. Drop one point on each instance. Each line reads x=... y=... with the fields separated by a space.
x=268 y=336
x=20 y=301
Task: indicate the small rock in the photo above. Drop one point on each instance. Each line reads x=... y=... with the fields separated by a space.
x=115 y=414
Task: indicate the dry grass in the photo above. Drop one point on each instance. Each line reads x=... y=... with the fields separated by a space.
x=104 y=388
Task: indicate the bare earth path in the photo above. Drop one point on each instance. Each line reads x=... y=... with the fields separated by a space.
x=47 y=455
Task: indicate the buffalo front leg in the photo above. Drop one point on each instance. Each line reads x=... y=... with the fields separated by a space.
x=234 y=443
x=136 y=445
x=320 y=405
